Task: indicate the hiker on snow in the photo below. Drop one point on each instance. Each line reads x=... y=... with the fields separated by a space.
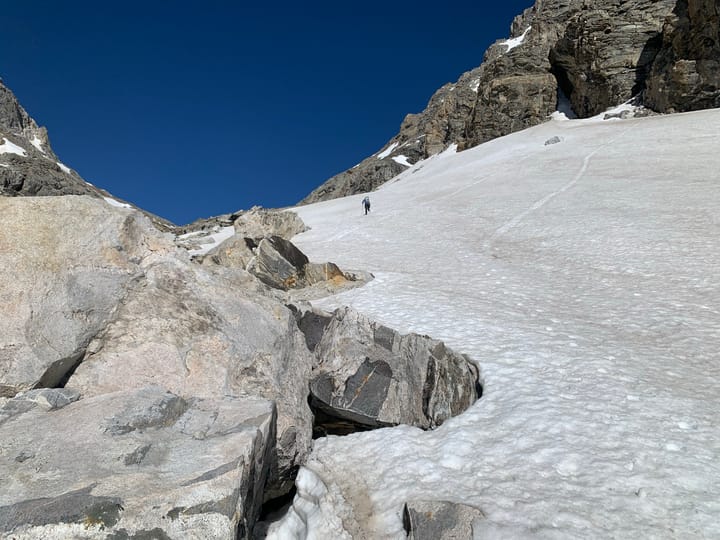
x=366 y=204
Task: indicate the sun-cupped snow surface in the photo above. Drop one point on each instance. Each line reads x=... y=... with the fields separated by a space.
x=8 y=147
x=517 y=41
x=583 y=279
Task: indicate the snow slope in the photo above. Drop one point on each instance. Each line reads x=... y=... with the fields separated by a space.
x=582 y=277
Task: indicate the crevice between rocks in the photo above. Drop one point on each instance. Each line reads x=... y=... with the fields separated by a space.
x=59 y=372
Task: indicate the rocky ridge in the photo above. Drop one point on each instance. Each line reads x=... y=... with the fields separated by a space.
x=28 y=165
x=594 y=54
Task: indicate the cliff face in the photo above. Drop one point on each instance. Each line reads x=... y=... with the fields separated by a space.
x=686 y=73
x=598 y=54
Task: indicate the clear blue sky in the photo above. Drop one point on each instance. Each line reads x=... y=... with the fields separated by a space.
x=193 y=109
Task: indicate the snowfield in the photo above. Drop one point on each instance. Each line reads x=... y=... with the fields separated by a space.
x=583 y=278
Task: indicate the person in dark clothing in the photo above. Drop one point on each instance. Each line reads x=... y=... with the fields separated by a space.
x=366 y=204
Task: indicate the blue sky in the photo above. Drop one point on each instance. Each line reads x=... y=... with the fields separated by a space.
x=196 y=109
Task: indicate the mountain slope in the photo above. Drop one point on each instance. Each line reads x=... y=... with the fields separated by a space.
x=28 y=165
x=581 y=276
x=597 y=54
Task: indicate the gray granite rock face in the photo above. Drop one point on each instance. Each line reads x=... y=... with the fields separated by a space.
x=598 y=53
x=65 y=264
x=205 y=334
x=258 y=222
x=136 y=464
x=84 y=282
x=440 y=520
x=685 y=76
x=372 y=375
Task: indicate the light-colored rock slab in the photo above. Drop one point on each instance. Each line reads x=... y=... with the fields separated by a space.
x=64 y=265
x=135 y=464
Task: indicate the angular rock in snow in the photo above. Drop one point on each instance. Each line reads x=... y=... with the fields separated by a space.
x=135 y=464
x=553 y=140
x=66 y=263
x=440 y=520
x=281 y=265
x=371 y=375
x=278 y=263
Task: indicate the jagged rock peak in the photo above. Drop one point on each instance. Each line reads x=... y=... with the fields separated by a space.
x=597 y=54
x=13 y=118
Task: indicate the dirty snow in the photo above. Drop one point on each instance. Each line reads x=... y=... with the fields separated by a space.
x=8 y=147
x=583 y=279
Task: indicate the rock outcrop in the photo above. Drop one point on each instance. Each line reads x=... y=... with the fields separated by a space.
x=261 y=245
x=135 y=464
x=65 y=265
x=371 y=375
x=594 y=54
x=685 y=76
x=95 y=298
x=259 y=222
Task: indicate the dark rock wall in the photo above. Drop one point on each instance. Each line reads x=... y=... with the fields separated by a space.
x=686 y=73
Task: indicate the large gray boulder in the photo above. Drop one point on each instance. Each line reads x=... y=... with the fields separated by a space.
x=203 y=334
x=259 y=222
x=371 y=375
x=235 y=252
x=279 y=264
x=135 y=464
x=65 y=264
